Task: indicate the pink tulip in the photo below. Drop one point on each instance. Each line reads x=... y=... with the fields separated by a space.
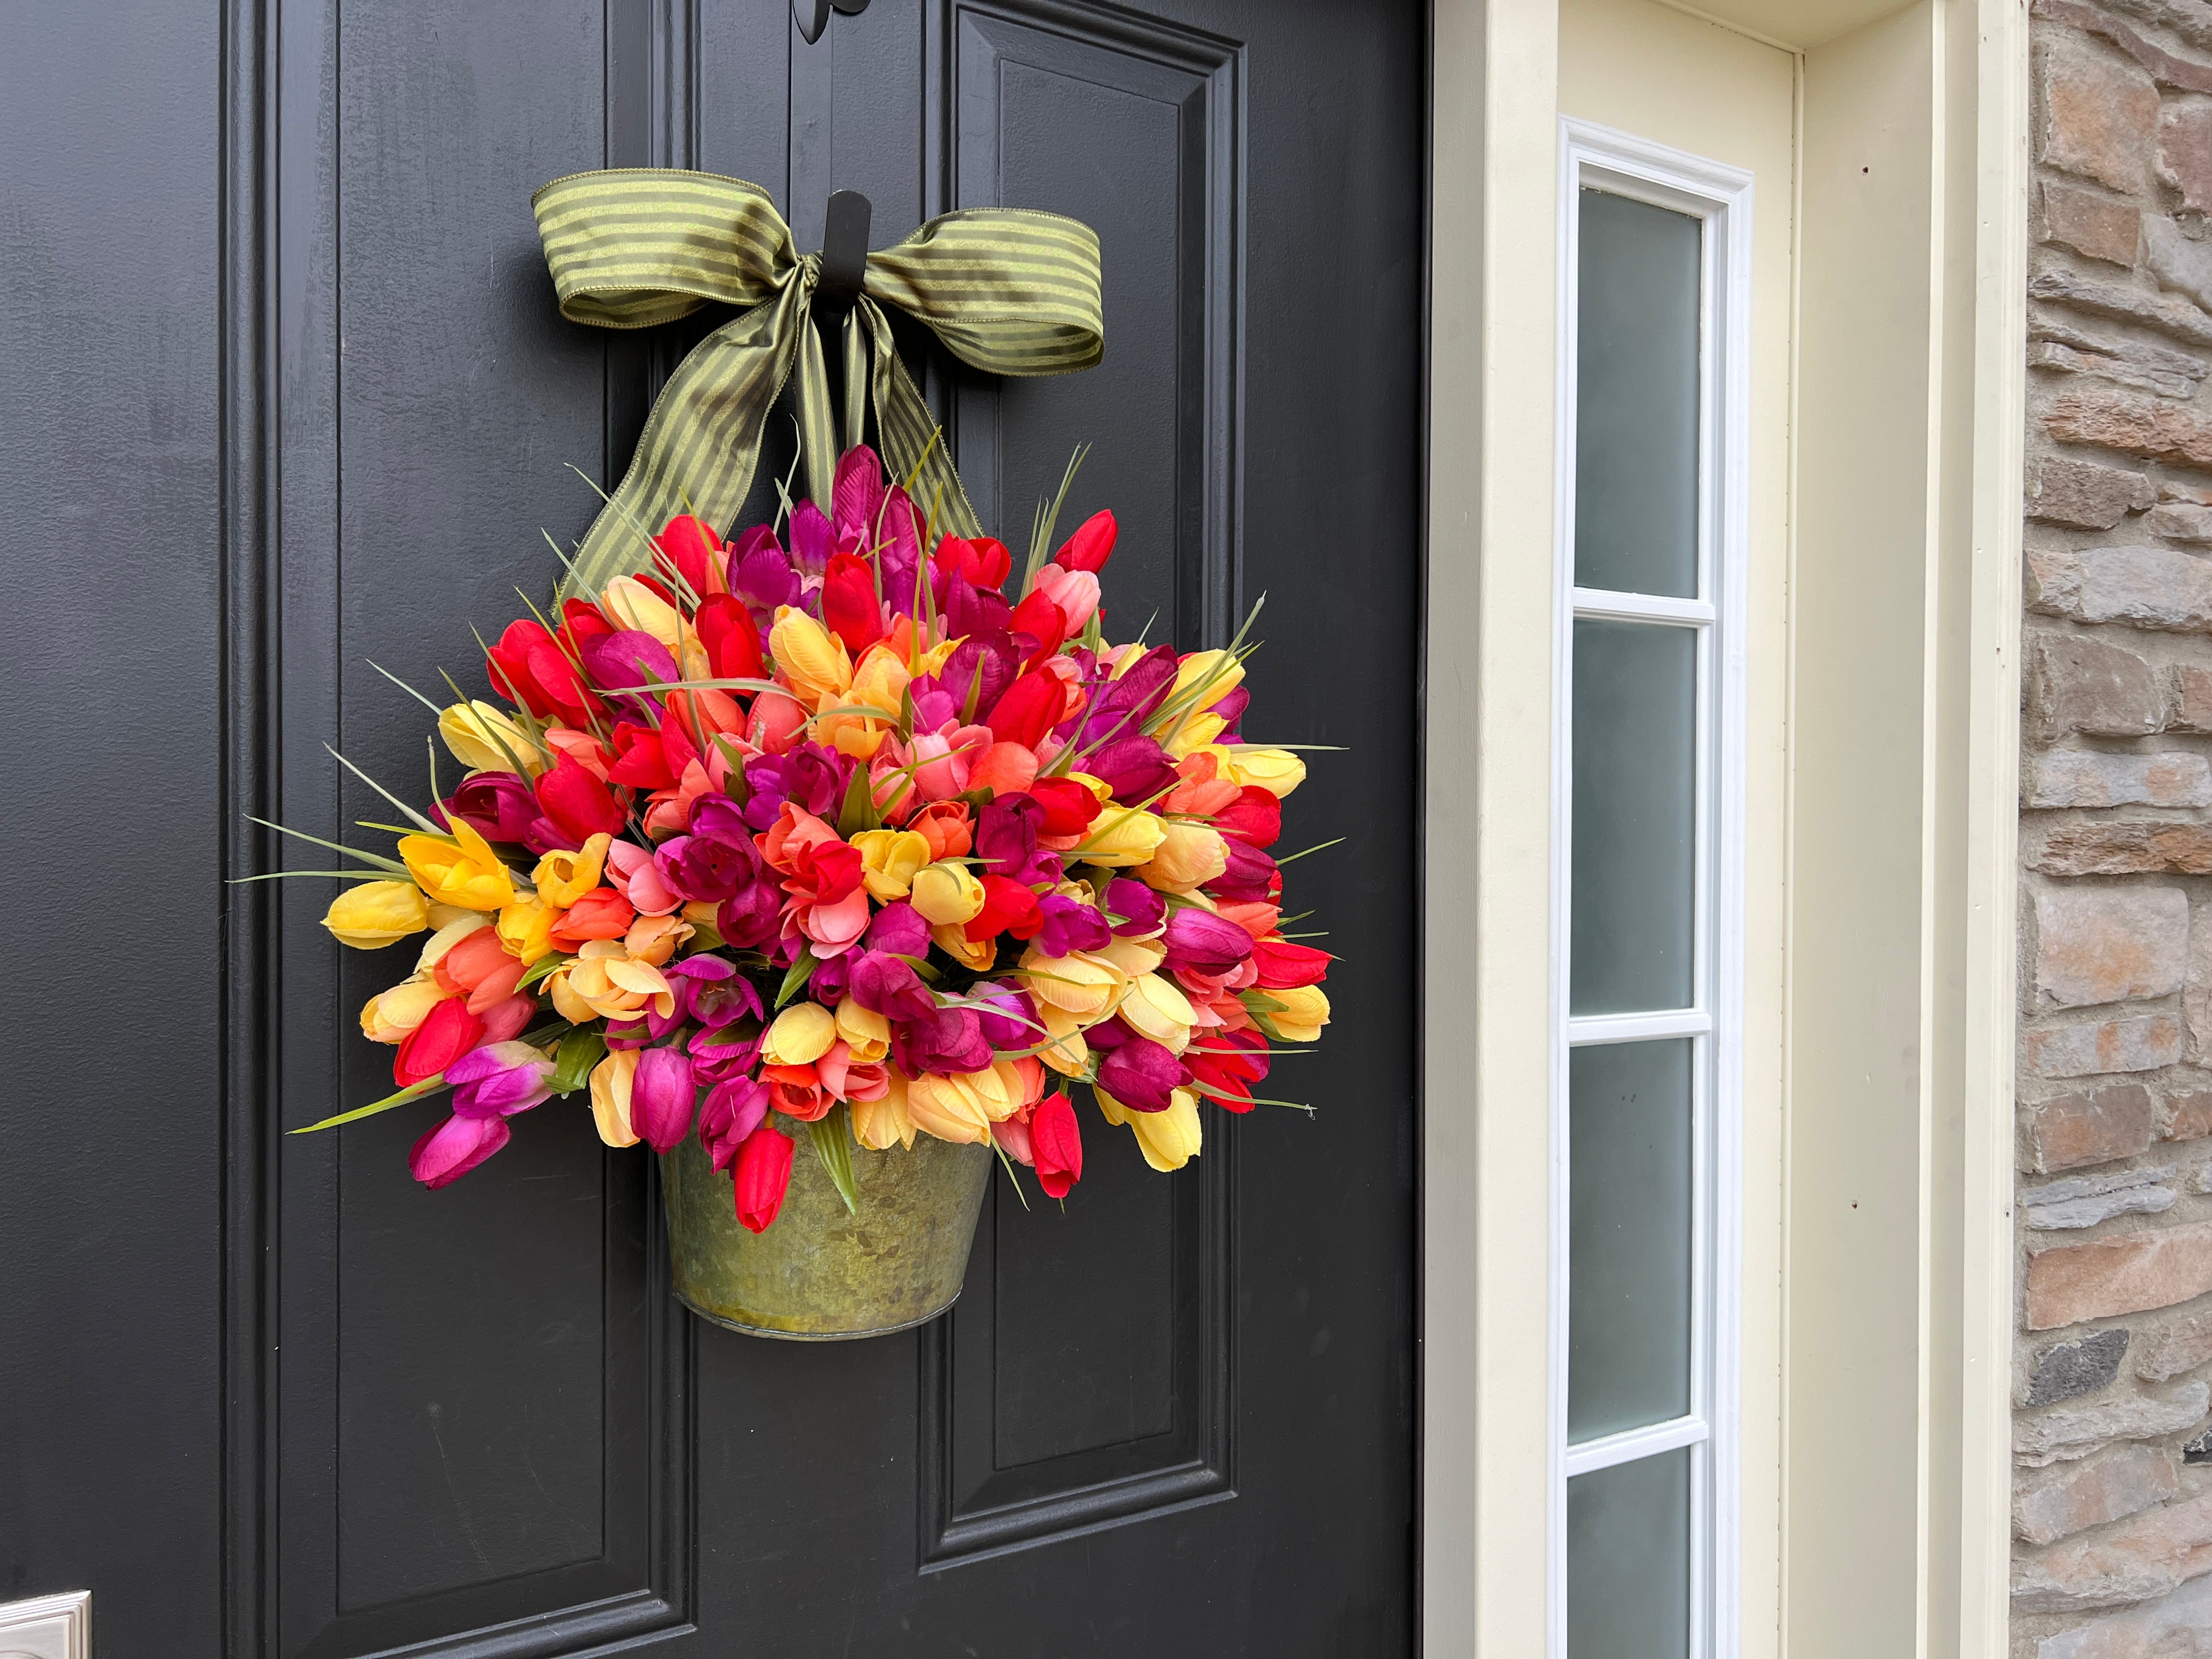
x=456 y=1146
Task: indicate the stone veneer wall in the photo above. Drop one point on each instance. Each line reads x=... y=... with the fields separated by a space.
x=2113 y=1504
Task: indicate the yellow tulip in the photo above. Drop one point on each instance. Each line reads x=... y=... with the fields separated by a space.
x=525 y=927
x=811 y=657
x=1065 y=1048
x=449 y=935
x=605 y=982
x=1305 y=1011
x=868 y=1035
x=1121 y=837
x=1217 y=672
x=1156 y=1009
x=377 y=913
x=947 y=895
x=1189 y=855
x=1197 y=733
x=877 y=682
x=475 y=732
x=1168 y=1139
x=976 y=955
x=880 y=1125
x=562 y=878
x=1278 y=771
x=1135 y=955
x=802 y=1034
x=390 y=1015
x=445 y=916
x=890 y=860
x=1083 y=984
x=611 y=1086
x=469 y=874
x=630 y=603
x=950 y=1108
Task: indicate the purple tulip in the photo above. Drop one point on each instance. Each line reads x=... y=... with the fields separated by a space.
x=761 y=576
x=948 y=1040
x=810 y=777
x=456 y=1146
x=975 y=612
x=628 y=657
x=899 y=564
x=708 y=867
x=1142 y=1074
x=856 y=495
x=898 y=927
x=1134 y=768
x=884 y=985
x=832 y=979
x=1120 y=707
x=497 y=806
x=718 y=1056
x=979 y=671
x=751 y=917
x=1018 y=1027
x=1140 y=909
x=1249 y=878
x=500 y=1079
x=1205 y=943
x=661 y=1096
x=1070 y=924
x=1006 y=834
x=935 y=707
x=814 y=538
x=1231 y=706
x=544 y=836
x=734 y=1109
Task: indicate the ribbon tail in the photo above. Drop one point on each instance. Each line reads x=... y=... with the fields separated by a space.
x=856 y=382
x=701 y=441
x=913 y=443
x=817 y=432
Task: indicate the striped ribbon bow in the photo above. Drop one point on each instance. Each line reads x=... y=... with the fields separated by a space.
x=1009 y=291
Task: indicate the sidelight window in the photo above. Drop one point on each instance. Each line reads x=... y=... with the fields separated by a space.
x=1645 y=1093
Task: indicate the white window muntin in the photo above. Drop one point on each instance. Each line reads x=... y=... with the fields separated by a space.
x=1721 y=198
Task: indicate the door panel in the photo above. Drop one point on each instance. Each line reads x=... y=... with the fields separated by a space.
x=1171 y=1416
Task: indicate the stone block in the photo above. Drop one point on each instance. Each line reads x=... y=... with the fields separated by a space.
x=2072 y=359
x=2084 y=494
x=2149 y=1554
x=2090 y=224
x=2096 y=1126
x=2192 y=709
x=2176 y=1627
x=2181 y=1344
x=2098 y=944
x=2089 y=1200
x=2190 y=19
x=2151 y=588
x=2126 y=847
x=2076 y=777
x=2196 y=997
x=2047 y=1508
x=2065 y=1370
x=2178 y=262
x=2185 y=1115
x=2073 y=1431
x=2133 y=1273
x=2165 y=369
x=2180 y=521
x=2075 y=683
x=2132 y=423
x=2185 y=150
x=2141 y=1043
x=2167 y=312
x=2098 y=116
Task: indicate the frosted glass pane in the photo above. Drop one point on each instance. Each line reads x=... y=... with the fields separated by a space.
x=1628 y=1560
x=1635 y=777
x=1635 y=401
x=1628 y=1235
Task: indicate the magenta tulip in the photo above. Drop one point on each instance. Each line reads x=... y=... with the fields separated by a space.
x=456 y=1146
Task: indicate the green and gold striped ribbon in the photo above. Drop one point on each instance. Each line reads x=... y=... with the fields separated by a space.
x=1009 y=291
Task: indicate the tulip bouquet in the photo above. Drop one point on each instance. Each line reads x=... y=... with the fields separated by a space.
x=820 y=829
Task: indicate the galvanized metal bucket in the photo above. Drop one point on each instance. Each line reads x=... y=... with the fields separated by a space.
x=820 y=1272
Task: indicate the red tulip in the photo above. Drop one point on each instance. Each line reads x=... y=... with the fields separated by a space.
x=1228 y=1064
x=849 y=604
x=640 y=763
x=1283 y=965
x=577 y=802
x=764 y=1175
x=450 y=1031
x=984 y=561
x=1043 y=620
x=1091 y=545
x=1028 y=710
x=694 y=551
x=1008 y=907
x=1255 y=818
x=601 y=913
x=1055 y=1144
x=1069 y=806
x=727 y=628
x=528 y=666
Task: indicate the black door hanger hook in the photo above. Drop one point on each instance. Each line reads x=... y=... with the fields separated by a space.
x=813 y=15
x=844 y=250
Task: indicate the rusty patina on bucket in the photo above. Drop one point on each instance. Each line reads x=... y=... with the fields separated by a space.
x=822 y=1273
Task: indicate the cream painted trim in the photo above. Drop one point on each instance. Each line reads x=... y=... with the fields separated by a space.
x=1923 y=1560
x=1486 y=1489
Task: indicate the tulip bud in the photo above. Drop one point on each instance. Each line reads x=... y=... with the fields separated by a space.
x=485 y=740
x=1189 y=856
x=1305 y=1011
x=891 y=858
x=612 y=1080
x=1275 y=771
x=801 y=1035
x=662 y=1095
x=947 y=895
x=868 y=1035
x=390 y=1016
x=1121 y=837
x=763 y=1175
x=377 y=913
x=562 y=878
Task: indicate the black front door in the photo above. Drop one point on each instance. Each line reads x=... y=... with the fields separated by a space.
x=285 y=393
